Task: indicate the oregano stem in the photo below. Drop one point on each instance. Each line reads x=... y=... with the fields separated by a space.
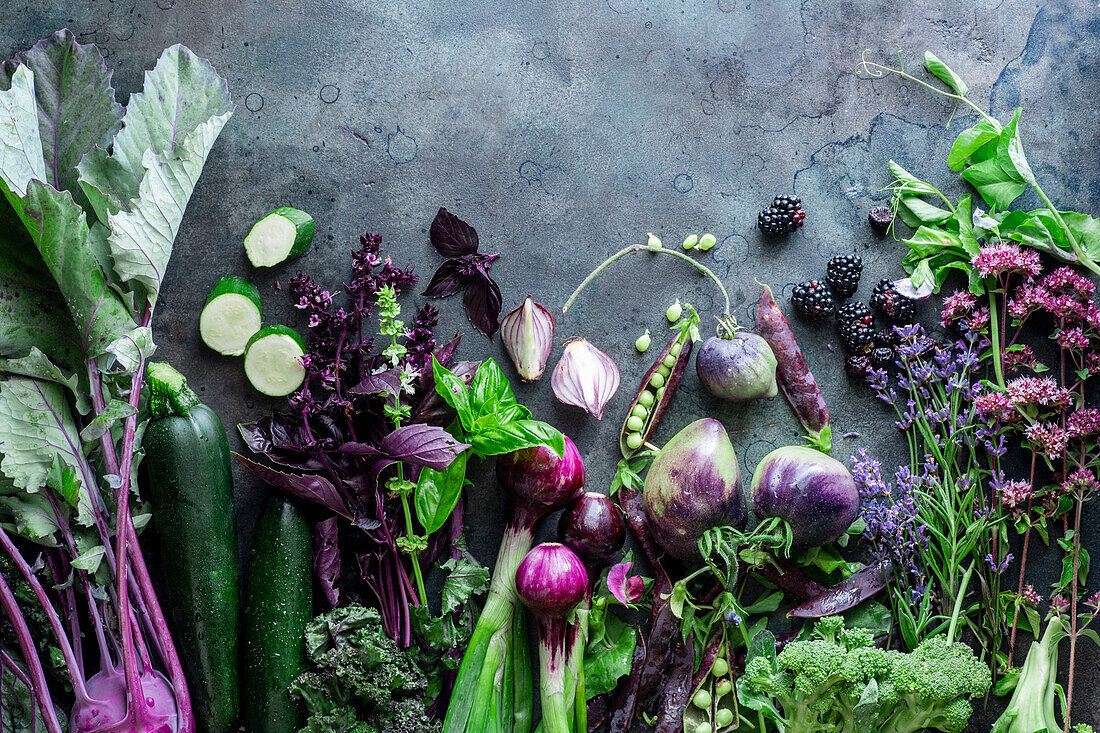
x=656 y=249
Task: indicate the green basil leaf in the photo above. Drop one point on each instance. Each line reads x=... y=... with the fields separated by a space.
x=965 y=220
x=1010 y=151
x=766 y=603
x=1086 y=230
x=489 y=390
x=911 y=184
x=437 y=493
x=921 y=212
x=970 y=141
x=944 y=73
x=453 y=390
x=999 y=188
x=497 y=440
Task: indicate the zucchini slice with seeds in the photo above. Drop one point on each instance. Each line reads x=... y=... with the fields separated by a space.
x=282 y=234
x=231 y=316
x=273 y=361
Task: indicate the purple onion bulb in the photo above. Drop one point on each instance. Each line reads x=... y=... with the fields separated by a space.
x=551 y=579
x=538 y=477
x=593 y=528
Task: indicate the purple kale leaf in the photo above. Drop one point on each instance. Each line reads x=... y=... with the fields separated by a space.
x=466 y=270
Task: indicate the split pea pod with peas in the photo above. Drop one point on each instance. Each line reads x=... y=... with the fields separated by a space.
x=661 y=380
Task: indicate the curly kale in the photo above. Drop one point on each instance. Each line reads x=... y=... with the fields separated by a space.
x=839 y=681
x=360 y=681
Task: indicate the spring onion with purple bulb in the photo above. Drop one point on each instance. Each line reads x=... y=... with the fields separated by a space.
x=537 y=481
x=593 y=528
x=551 y=581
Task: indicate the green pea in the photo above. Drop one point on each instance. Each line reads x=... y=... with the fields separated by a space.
x=634 y=441
x=657 y=380
x=643 y=342
x=634 y=424
x=721 y=666
x=674 y=311
x=669 y=361
x=640 y=411
x=704 y=728
x=645 y=398
x=707 y=241
x=676 y=348
x=690 y=241
x=723 y=688
x=660 y=393
x=724 y=717
x=701 y=699
x=653 y=240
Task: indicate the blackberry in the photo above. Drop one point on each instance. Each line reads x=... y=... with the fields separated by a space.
x=854 y=312
x=784 y=215
x=893 y=304
x=856 y=335
x=857 y=365
x=813 y=300
x=880 y=218
x=886 y=337
x=882 y=357
x=843 y=273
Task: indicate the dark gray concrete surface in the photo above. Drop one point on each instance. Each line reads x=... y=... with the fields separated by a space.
x=563 y=130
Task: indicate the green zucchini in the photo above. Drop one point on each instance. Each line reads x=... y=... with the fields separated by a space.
x=187 y=479
x=273 y=361
x=231 y=315
x=282 y=234
x=278 y=609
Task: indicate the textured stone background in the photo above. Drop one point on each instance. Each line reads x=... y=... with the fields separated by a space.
x=563 y=130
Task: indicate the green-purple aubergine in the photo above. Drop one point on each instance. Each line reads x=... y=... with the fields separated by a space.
x=739 y=368
x=813 y=492
x=694 y=484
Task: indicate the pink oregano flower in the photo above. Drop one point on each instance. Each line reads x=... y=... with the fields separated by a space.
x=626 y=588
x=1002 y=258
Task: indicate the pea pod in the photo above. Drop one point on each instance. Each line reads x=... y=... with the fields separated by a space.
x=713 y=703
x=656 y=391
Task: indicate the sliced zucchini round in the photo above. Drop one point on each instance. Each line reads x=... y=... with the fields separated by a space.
x=231 y=316
x=282 y=234
x=273 y=361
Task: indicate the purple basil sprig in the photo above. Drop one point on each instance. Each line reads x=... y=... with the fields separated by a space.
x=467 y=270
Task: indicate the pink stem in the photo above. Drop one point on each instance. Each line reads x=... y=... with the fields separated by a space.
x=50 y=612
x=38 y=685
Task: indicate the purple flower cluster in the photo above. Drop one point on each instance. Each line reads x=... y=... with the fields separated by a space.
x=1003 y=258
x=894 y=529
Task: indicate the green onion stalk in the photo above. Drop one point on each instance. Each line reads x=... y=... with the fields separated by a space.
x=494 y=687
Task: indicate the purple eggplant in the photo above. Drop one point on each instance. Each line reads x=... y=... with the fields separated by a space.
x=694 y=484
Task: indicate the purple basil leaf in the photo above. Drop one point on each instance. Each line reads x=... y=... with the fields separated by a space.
x=483 y=302
x=417 y=444
x=256 y=436
x=848 y=593
x=445 y=354
x=317 y=489
x=326 y=558
x=386 y=382
x=447 y=280
x=451 y=236
x=423 y=445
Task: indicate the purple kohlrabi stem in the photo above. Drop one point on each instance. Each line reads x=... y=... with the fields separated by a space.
x=37 y=678
x=73 y=667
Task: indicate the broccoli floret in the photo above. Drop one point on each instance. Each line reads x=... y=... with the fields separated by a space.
x=1031 y=706
x=838 y=681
